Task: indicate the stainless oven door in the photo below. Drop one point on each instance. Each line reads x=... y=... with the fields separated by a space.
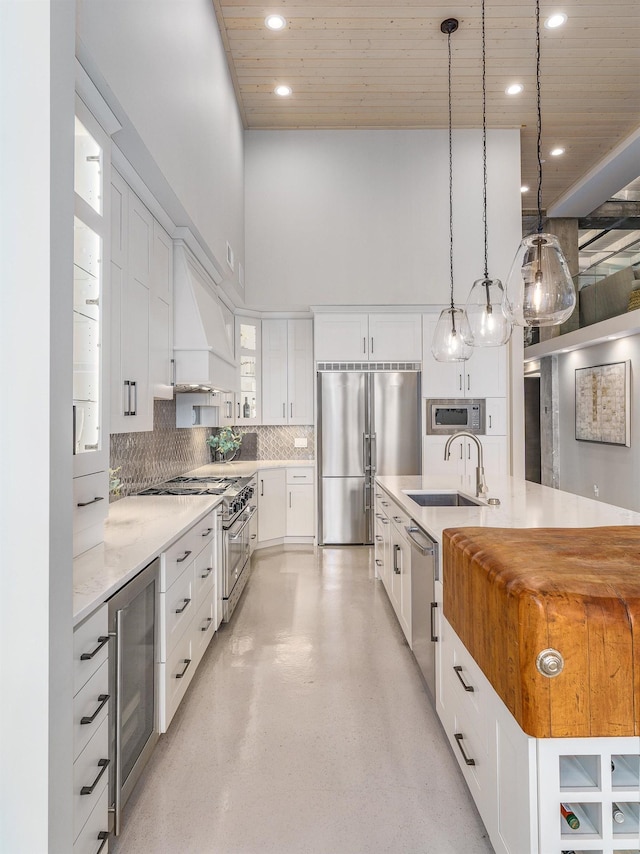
x=236 y=554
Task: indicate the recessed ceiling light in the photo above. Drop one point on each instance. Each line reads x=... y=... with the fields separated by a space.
x=524 y=189
x=556 y=20
x=275 y=22
x=556 y=152
x=514 y=89
x=283 y=91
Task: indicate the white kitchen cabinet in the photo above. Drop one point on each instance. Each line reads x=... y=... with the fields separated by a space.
x=188 y=601
x=287 y=372
x=300 y=498
x=227 y=408
x=483 y=375
x=272 y=513
x=132 y=242
x=368 y=337
x=161 y=315
x=463 y=458
x=249 y=342
x=393 y=550
x=91 y=765
x=496 y=416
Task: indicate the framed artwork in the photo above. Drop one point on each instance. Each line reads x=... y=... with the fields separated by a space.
x=603 y=411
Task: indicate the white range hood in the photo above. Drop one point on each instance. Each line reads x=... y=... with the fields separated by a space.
x=203 y=329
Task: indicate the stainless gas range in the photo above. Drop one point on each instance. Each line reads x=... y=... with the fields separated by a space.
x=237 y=511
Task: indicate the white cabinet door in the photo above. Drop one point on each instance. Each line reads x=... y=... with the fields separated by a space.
x=274 y=371
x=496 y=459
x=496 y=416
x=341 y=337
x=161 y=325
x=272 y=521
x=395 y=337
x=300 y=510
x=433 y=461
x=463 y=458
x=132 y=227
x=300 y=374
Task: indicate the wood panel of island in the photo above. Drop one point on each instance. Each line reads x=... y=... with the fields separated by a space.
x=511 y=593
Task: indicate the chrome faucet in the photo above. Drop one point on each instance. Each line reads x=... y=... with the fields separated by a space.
x=481 y=484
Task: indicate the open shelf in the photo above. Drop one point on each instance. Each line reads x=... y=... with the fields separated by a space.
x=590 y=817
x=580 y=773
x=629 y=829
x=626 y=772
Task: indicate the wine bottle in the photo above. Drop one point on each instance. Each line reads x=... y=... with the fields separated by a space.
x=618 y=815
x=246 y=409
x=569 y=816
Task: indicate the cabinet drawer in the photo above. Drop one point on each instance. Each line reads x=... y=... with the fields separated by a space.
x=90 y=839
x=467 y=747
x=177 y=607
x=175 y=676
x=203 y=629
x=90 y=708
x=90 y=500
x=399 y=518
x=90 y=647
x=205 y=574
x=466 y=687
x=300 y=475
x=90 y=775
x=178 y=556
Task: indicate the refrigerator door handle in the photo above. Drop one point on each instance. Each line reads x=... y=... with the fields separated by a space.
x=373 y=453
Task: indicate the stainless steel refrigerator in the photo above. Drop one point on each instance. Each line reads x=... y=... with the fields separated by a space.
x=369 y=424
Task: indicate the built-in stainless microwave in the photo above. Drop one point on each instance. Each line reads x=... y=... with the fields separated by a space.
x=448 y=416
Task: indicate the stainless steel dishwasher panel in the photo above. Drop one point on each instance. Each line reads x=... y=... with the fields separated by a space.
x=424 y=563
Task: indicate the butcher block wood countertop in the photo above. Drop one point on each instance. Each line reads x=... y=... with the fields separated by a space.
x=511 y=593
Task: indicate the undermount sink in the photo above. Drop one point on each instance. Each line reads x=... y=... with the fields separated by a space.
x=442 y=499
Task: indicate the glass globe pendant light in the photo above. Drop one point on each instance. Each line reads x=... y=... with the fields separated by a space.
x=452 y=333
x=487 y=308
x=539 y=286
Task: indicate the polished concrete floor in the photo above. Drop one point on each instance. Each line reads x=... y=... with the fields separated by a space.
x=306 y=730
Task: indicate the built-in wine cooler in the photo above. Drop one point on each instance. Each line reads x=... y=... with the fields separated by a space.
x=134 y=692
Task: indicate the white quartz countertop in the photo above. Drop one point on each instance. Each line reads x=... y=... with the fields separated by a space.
x=136 y=531
x=139 y=528
x=247 y=468
x=522 y=505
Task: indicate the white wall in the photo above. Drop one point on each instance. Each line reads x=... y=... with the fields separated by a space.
x=340 y=217
x=162 y=62
x=36 y=275
x=613 y=468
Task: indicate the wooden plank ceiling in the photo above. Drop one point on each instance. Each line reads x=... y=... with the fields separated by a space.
x=379 y=64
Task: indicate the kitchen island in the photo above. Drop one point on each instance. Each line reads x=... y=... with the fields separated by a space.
x=517 y=781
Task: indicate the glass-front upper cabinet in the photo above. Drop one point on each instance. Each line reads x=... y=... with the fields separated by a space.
x=90 y=279
x=248 y=338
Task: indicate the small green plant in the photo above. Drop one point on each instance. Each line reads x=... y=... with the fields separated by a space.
x=115 y=484
x=225 y=441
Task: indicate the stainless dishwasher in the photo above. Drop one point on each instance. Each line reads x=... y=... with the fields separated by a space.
x=424 y=571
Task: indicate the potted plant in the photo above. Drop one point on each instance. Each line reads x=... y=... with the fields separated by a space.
x=224 y=445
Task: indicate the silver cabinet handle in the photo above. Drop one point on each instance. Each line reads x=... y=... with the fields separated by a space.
x=468 y=382
x=184 y=607
x=93 y=501
x=378 y=562
x=384 y=503
x=292 y=410
x=103 y=835
x=364 y=345
x=102 y=640
x=459 y=738
x=184 y=557
x=207 y=532
x=134 y=386
x=126 y=397
x=379 y=539
x=208 y=621
x=434 y=636
x=103 y=764
x=460 y=382
x=372 y=344
x=172 y=362
x=284 y=410
x=396 y=549
x=289 y=499
x=458 y=671
x=489 y=422
x=207 y=572
x=398 y=519
x=261 y=487
x=385 y=521
x=298 y=476
x=187 y=662
x=103 y=699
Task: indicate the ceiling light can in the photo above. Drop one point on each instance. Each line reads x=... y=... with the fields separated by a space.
x=275 y=22
x=283 y=91
x=514 y=89
x=556 y=152
x=555 y=20
x=524 y=189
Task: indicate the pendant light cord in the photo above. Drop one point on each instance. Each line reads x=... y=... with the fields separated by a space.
x=538 y=95
x=450 y=178
x=484 y=147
